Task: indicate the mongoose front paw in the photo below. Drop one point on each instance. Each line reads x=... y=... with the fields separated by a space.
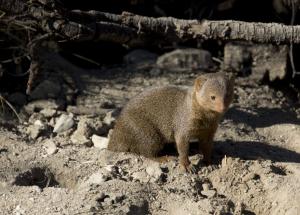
x=188 y=168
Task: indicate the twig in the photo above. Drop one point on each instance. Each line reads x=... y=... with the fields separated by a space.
x=11 y=107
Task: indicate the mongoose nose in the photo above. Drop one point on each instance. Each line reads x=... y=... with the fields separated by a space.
x=221 y=108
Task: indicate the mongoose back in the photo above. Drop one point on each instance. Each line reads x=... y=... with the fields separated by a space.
x=174 y=114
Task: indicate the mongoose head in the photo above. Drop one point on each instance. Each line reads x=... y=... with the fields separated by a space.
x=214 y=91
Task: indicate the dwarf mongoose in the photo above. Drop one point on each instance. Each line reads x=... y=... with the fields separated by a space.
x=174 y=114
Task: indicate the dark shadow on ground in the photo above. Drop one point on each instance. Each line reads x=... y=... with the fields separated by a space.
x=245 y=150
x=252 y=150
x=264 y=116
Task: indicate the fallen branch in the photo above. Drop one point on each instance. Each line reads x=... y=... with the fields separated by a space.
x=131 y=29
x=27 y=23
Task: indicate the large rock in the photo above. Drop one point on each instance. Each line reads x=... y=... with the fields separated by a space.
x=64 y=123
x=185 y=59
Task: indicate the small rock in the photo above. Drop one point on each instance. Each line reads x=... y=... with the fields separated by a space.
x=109 y=119
x=35 y=130
x=48 y=112
x=154 y=171
x=50 y=147
x=64 y=123
x=82 y=133
x=209 y=193
x=46 y=89
x=140 y=56
x=100 y=142
x=17 y=98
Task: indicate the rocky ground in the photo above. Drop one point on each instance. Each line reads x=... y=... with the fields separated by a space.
x=56 y=162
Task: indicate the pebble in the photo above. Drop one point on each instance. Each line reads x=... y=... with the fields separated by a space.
x=50 y=147
x=64 y=123
x=100 y=142
x=154 y=171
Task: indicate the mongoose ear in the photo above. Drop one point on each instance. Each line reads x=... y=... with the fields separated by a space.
x=199 y=82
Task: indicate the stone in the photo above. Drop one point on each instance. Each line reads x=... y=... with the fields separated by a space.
x=50 y=147
x=17 y=98
x=109 y=119
x=100 y=142
x=185 y=59
x=154 y=171
x=64 y=123
x=139 y=56
x=35 y=130
x=46 y=89
x=82 y=133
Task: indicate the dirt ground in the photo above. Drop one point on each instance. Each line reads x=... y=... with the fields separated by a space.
x=256 y=160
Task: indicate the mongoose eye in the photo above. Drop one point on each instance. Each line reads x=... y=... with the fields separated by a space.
x=213 y=98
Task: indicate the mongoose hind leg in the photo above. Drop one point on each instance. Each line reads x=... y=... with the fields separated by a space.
x=147 y=140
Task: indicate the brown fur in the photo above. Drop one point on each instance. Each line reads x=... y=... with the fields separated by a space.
x=173 y=114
